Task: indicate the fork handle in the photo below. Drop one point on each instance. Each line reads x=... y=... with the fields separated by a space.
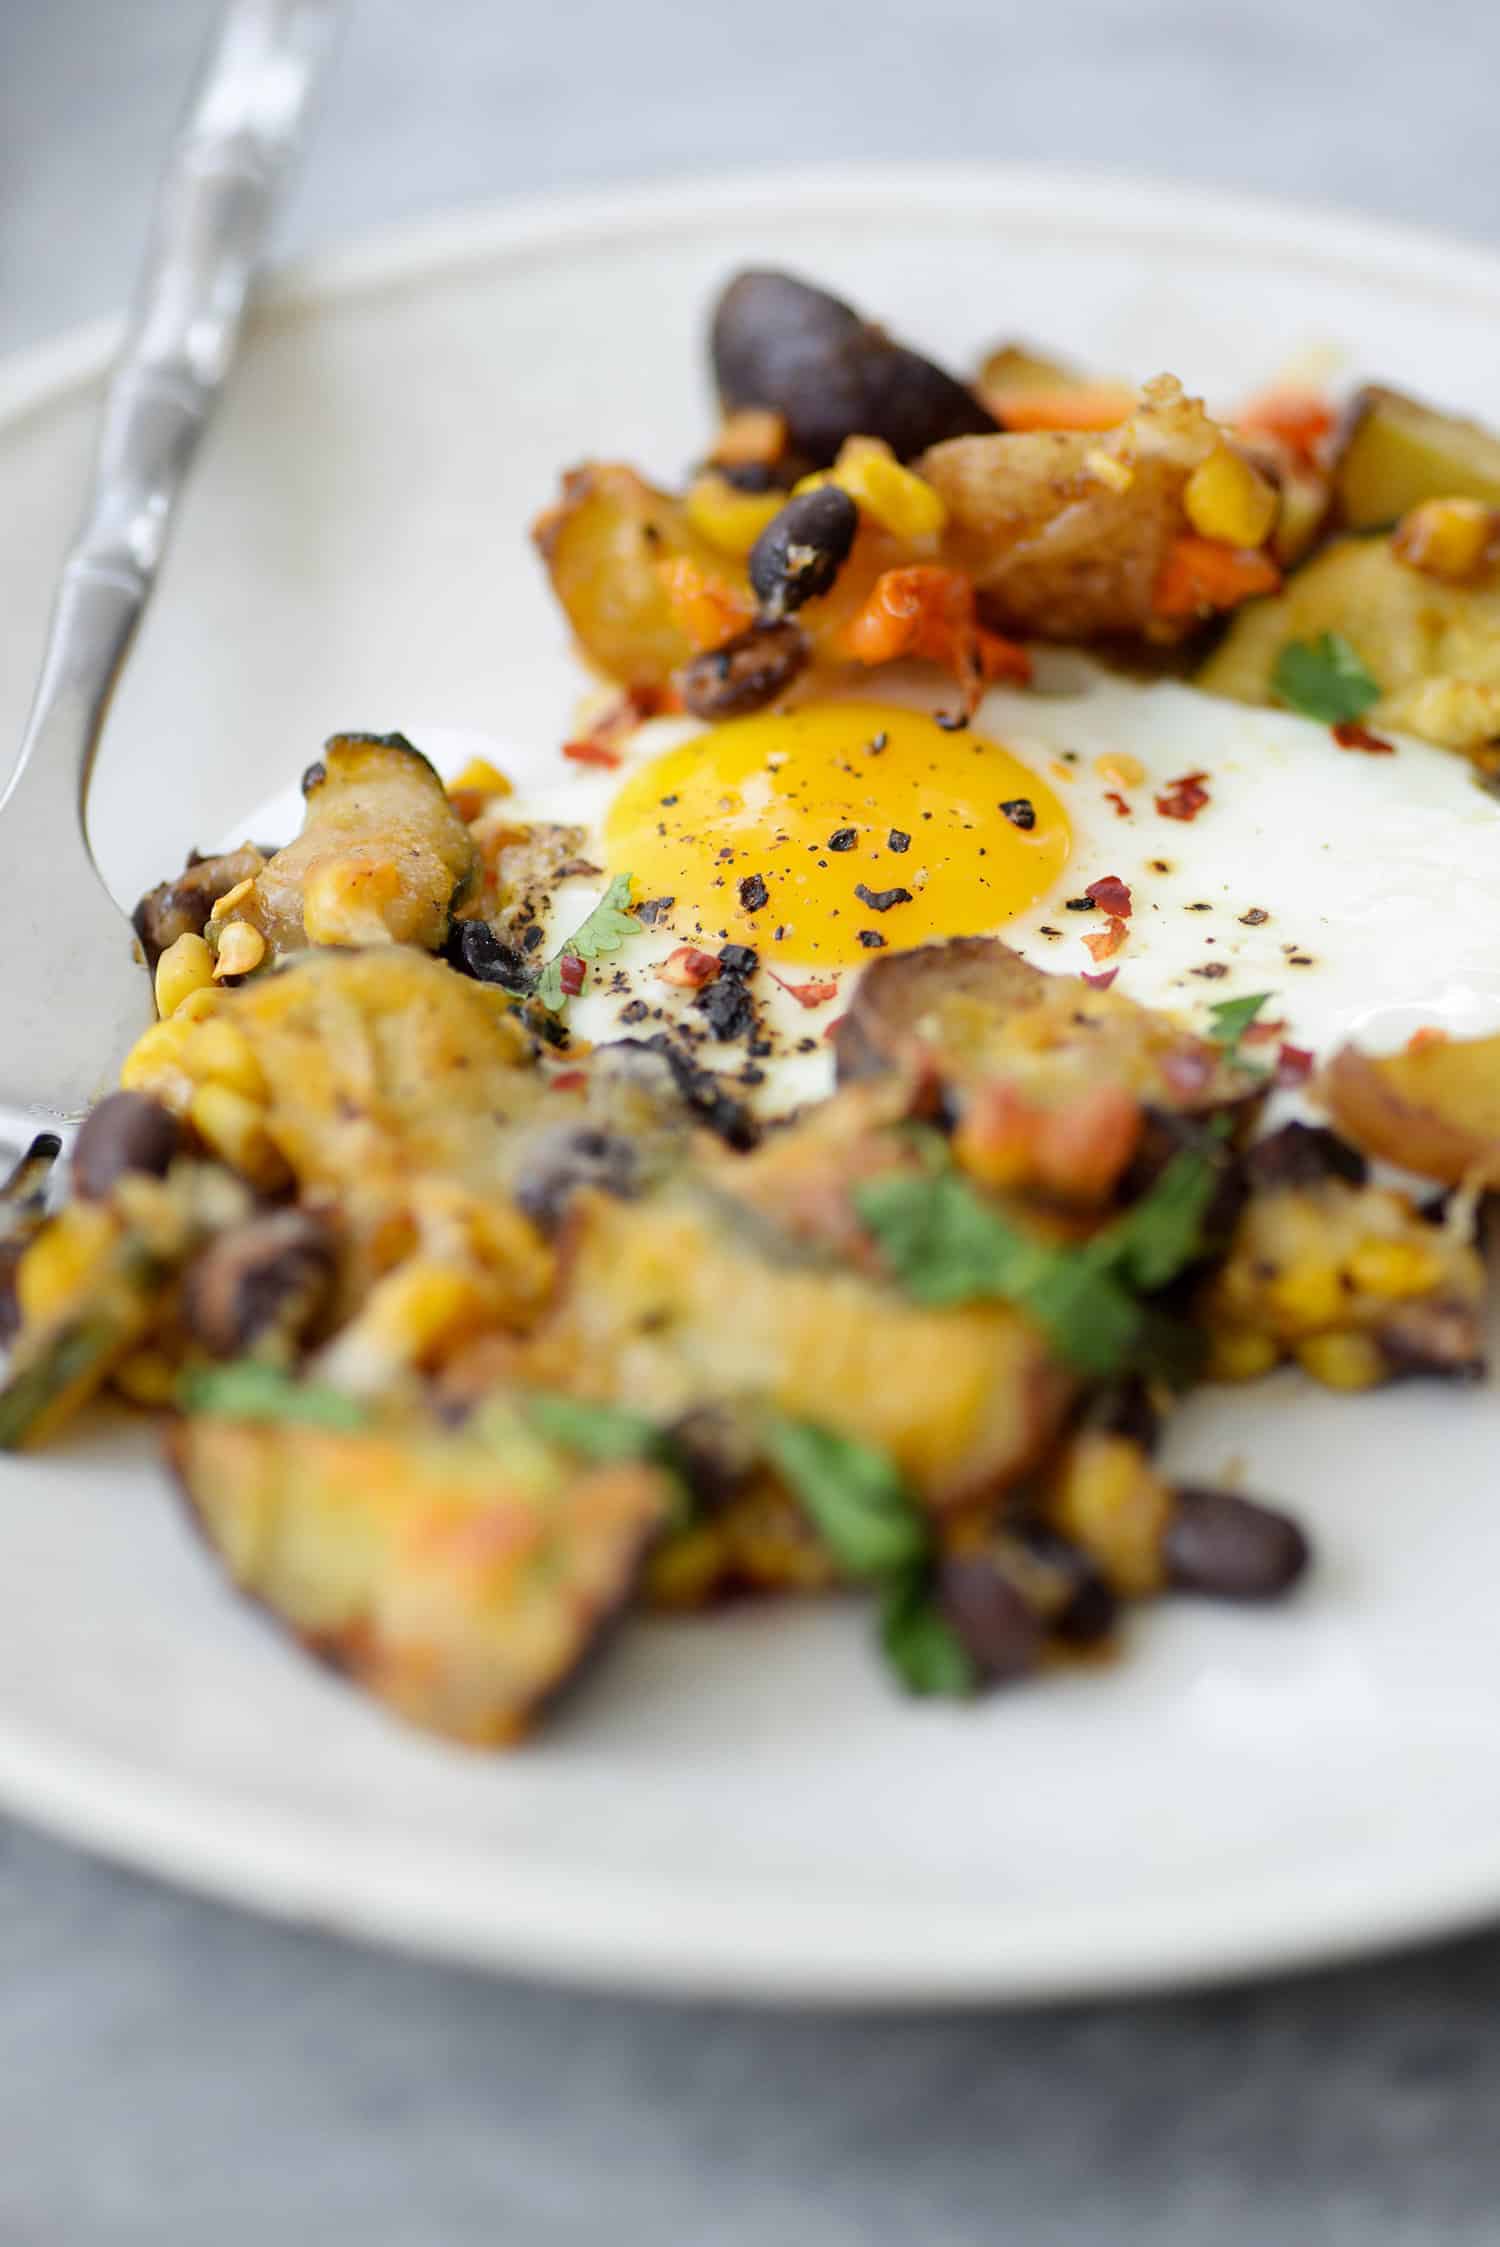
x=245 y=124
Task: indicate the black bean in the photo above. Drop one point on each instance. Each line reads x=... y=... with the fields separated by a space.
x=569 y=1156
x=1302 y=1155
x=1231 y=1547
x=999 y=1627
x=474 y=949
x=745 y=673
x=801 y=551
x=1021 y=812
x=738 y=959
x=269 y=1276
x=779 y=342
x=727 y=1007
x=126 y=1132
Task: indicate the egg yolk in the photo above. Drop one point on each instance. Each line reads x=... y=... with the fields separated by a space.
x=832 y=831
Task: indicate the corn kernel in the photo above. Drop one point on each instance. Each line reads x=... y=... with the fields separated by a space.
x=1108 y=468
x=480 y=778
x=184 y=967
x=57 y=1265
x=1342 y=1361
x=896 y=497
x=1451 y=539
x=1240 y=1354
x=728 y=519
x=154 y=1063
x=1395 y=1268
x=241 y=950
x=196 y=1005
x=234 y=1129
x=1307 y=1295
x=420 y=1307
x=232 y=900
x=1228 y=500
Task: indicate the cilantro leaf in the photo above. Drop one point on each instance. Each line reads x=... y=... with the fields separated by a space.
x=1231 y=1018
x=919 y=1642
x=247 y=1389
x=1324 y=679
x=854 y=1495
x=600 y=1431
x=944 y=1244
x=1163 y=1233
x=605 y=930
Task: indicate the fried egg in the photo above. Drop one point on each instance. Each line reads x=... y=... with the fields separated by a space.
x=1242 y=851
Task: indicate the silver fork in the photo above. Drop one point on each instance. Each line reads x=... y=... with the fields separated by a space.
x=73 y=994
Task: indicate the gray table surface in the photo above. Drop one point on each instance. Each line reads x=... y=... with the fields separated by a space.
x=172 y=2072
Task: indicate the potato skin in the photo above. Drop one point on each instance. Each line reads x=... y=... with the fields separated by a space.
x=1435 y=1111
x=780 y=343
x=1392 y=452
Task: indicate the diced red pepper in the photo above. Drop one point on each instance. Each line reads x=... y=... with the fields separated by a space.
x=1294 y=1065
x=571 y=973
x=592 y=753
x=1350 y=734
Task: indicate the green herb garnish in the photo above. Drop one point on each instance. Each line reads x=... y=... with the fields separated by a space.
x=1324 y=679
x=919 y=1642
x=945 y=1244
x=854 y=1494
x=249 y=1390
x=599 y=1431
x=605 y=930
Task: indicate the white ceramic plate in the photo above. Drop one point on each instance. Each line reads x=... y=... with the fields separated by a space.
x=741 y=1805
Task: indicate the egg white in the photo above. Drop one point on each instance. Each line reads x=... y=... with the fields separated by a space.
x=1379 y=877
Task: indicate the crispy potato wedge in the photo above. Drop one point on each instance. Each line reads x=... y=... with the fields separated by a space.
x=1065 y=533
x=383 y=857
x=1434 y=649
x=692 y=1299
x=1435 y=1110
x=461 y=1586
x=601 y=544
x=1393 y=452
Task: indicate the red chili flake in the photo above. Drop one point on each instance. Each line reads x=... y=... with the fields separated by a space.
x=830 y=1027
x=592 y=753
x=570 y=1080
x=1111 y=895
x=1107 y=942
x=1184 y=798
x=806 y=994
x=1294 y=1065
x=1350 y=734
x=688 y=968
x=571 y=971
x=1261 y=1033
x=1113 y=796
x=1099 y=982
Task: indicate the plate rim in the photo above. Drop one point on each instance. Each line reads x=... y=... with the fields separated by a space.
x=638 y=1936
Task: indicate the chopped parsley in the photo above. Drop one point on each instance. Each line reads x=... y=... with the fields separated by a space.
x=1228 y=1022
x=247 y=1389
x=857 y=1499
x=1324 y=679
x=605 y=930
x=944 y=1244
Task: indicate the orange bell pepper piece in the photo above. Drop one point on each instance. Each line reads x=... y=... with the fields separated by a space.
x=928 y=611
x=1201 y=575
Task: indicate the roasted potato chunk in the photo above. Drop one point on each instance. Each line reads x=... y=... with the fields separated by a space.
x=1434 y=1109
x=383 y=858
x=1393 y=452
x=602 y=544
x=460 y=1582
x=690 y=1299
x=1065 y=533
x=1433 y=649
x=181 y=906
